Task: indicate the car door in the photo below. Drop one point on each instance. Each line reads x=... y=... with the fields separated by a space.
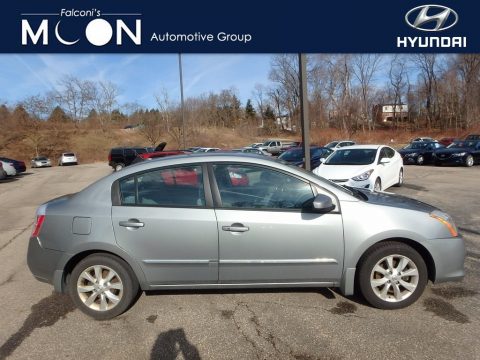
x=389 y=171
x=164 y=220
x=266 y=233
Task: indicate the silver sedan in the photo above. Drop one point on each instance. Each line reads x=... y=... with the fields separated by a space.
x=237 y=221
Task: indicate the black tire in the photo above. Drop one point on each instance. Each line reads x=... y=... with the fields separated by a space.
x=377 y=185
x=420 y=160
x=119 y=167
x=400 y=178
x=373 y=256
x=469 y=161
x=129 y=294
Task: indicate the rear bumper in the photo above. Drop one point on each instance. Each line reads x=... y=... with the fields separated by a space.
x=43 y=264
x=449 y=258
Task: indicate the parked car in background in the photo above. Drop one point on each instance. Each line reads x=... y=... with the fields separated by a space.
x=253 y=145
x=120 y=157
x=68 y=158
x=292 y=145
x=274 y=146
x=445 y=141
x=472 y=137
x=423 y=138
x=206 y=150
x=296 y=156
x=9 y=168
x=3 y=174
x=252 y=150
x=339 y=143
x=19 y=165
x=419 y=152
x=193 y=148
x=460 y=152
x=140 y=230
x=40 y=161
x=374 y=167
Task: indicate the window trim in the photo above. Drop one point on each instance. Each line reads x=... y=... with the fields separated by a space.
x=117 y=198
x=217 y=202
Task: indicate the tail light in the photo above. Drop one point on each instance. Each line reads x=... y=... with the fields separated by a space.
x=38 y=225
x=109 y=157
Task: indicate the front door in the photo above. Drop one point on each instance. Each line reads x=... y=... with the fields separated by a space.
x=266 y=235
x=163 y=222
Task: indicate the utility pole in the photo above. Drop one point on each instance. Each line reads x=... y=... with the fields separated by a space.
x=304 y=120
x=181 y=98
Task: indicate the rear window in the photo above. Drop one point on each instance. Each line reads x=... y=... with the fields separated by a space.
x=69 y=154
x=116 y=151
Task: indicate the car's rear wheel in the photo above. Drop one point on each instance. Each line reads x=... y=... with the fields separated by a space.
x=392 y=275
x=103 y=286
x=420 y=160
x=378 y=185
x=119 y=166
x=400 y=178
x=469 y=161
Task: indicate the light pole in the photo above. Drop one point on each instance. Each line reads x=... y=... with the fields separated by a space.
x=305 y=121
x=181 y=98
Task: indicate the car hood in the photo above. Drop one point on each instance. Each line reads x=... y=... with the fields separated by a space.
x=341 y=171
x=409 y=151
x=398 y=201
x=452 y=150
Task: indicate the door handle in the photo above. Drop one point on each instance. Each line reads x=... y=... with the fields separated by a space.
x=131 y=223
x=236 y=228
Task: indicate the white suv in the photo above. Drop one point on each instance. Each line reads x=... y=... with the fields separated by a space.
x=68 y=159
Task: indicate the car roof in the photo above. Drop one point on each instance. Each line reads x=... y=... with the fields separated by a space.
x=361 y=147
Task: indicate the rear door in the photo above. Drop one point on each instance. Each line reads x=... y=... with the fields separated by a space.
x=166 y=222
x=266 y=235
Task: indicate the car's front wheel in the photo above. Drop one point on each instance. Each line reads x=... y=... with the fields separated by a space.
x=378 y=185
x=420 y=160
x=103 y=286
x=400 y=178
x=392 y=275
x=469 y=161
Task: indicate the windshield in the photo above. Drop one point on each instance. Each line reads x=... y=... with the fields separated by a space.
x=41 y=158
x=462 y=144
x=292 y=155
x=332 y=144
x=352 y=157
x=416 y=145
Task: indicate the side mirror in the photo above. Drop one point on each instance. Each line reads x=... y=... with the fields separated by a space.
x=322 y=204
x=385 y=160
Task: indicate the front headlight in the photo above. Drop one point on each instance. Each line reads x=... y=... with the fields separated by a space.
x=446 y=220
x=459 y=154
x=363 y=176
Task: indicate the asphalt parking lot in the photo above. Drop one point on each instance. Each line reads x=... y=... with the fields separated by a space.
x=271 y=324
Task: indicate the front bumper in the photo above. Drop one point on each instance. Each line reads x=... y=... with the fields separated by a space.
x=43 y=264
x=452 y=160
x=449 y=258
x=409 y=160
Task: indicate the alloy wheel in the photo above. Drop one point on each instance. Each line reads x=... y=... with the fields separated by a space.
x=394 y=278
x=100 y=288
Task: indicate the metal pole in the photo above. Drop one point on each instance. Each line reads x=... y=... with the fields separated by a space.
x=305 y=121
x=181 y=98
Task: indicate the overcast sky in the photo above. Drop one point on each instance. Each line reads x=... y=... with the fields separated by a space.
x=139 y=76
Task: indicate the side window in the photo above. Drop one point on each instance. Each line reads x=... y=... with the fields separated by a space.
x=170 y=187
x=383 y=154
x=389 y=152
x=255 y=187
x=129 y=152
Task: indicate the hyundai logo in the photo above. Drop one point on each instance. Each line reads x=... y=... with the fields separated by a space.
x=431 y=18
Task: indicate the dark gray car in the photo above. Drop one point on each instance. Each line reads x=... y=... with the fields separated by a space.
x=237 y=221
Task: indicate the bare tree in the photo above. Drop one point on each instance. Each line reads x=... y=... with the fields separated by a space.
x=76 y=96
x=364 y=67
x=104 y=96
x=398 y=81
x=469 y=69
x=426 y=64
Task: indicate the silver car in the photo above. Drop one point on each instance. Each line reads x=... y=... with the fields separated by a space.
x=40 y=161
x=67 y=159
x=237 y=221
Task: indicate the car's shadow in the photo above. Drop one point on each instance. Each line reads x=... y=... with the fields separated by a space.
x=328 y=293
